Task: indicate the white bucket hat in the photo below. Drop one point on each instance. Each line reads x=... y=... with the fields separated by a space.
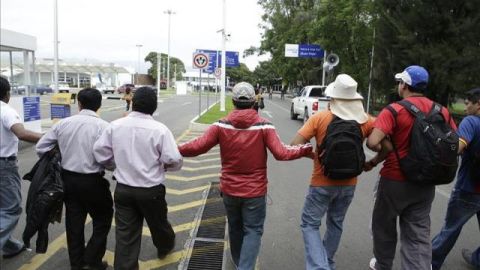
x=346 y=103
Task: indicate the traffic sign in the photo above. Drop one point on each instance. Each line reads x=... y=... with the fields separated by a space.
x=231 y=61
x=218 y=72
x=200 y=60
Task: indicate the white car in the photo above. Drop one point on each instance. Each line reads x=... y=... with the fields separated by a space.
x=62 y=87
x=310 y=100
x=105 y=89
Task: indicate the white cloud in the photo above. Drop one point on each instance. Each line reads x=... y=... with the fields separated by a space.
x=108 y=30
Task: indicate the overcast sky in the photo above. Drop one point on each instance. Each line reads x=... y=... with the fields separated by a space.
x=109 y=30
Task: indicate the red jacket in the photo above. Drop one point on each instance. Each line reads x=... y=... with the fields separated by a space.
x=244 y=138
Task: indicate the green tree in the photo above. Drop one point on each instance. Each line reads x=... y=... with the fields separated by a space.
x=152 y=71
x=239 y=74
x=440 y=35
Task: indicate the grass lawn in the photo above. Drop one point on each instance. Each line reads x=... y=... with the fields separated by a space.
x=215 y=114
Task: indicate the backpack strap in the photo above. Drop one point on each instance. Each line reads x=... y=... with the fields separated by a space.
x=414 y=109
x=394 y=113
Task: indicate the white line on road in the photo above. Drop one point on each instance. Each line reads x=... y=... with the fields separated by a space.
x=267 y=113
x=279 y=106
x=186 y=103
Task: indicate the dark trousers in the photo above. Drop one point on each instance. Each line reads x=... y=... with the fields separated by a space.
x=87 y=194
x=410 y=204
x=132 y=205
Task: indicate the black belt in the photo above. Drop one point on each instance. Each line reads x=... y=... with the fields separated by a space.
x=10 y=158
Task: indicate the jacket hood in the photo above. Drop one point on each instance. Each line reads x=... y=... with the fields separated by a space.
x=243 y=118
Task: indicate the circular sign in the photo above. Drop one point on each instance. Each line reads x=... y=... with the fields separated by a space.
x=200 y=60
x=218 y=73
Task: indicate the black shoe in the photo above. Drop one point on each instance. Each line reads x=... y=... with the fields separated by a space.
x=161 y=254
x=102 y=266
x=467 y=256
x=11 y=255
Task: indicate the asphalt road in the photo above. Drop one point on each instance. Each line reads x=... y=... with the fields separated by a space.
x=282 y=246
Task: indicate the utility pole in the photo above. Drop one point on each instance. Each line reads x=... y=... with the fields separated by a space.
x=159 y=64
x=138 y=63
x=169 y=12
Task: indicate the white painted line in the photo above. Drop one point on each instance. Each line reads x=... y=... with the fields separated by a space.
x=267 y=113
x=186 y=103
x=442 y=192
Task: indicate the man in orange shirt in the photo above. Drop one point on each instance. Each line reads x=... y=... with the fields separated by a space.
x=329 y=194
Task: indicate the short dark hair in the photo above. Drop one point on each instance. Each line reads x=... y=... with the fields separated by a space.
x=473 y=95
x=4 y=87
x=243 y=103
x=144 y=100
x=90 y=98
x=420 y=88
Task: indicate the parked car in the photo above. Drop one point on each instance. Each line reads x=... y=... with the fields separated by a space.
x=121 y=89
x=149 y=86
x=62 y=87
x=42 y=89
x=105 y=89
x=310 y=100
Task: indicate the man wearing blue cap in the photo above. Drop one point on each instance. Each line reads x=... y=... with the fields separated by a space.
x=397 y=198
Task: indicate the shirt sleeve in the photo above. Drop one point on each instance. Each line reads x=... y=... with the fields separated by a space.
x=309 y=129
x=48 y=141
x=170 y=156
x=285 y=152
x=102 y=149
x=201 y=144
x=466 y=131
x=385 y=122
x=10 y=118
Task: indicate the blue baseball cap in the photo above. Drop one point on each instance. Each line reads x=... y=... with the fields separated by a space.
x=415 y=76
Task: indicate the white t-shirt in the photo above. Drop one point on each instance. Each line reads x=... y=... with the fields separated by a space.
x=8 y=140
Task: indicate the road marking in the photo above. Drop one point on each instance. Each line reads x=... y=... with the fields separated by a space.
x=201 y=160
x=186 y=191
x=185 y=133
x=186 y=103
x=442 y=192
x=192 y=178
x=193 y=204
x=279 y=106
x=267 y=113
x=189 y=169
x=40 y=259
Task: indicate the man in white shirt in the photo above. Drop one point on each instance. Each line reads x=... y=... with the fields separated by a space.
x=11 y=130
x=142 y=150
x=86 y=191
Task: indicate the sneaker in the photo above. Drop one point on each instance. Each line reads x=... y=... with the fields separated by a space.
x=372 y=263
x=102 y=266
x=467 y=256
x=11 y=255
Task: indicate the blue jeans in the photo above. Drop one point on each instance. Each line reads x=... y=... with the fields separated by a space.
x=334 y=201
x=245 y=228
x=461 y=207
x=10 y=205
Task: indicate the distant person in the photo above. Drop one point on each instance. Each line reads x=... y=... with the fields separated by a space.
x=86 y=191
x=398 y=198
x=11 y=131
x=270 y=93
x=259 y=104
x=330 y=192
x=244 y=137
x=465 y=198
x=282 y=92
x=128 y=97
x=142 y=150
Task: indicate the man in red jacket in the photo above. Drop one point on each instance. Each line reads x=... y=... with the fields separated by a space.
x=243 y=137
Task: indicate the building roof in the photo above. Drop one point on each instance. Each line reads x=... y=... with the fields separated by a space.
x=15 y=41
x=47 y=66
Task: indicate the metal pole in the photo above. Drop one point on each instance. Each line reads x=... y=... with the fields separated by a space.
x=217 y=81
x=55 y=47
x=169 y=12
x=159 y=60
x=371 y=73
x=208 y=90
x=34 y=78
x=224 y=56
x=138 y=62
x=11 y=67
x=323 y=67
x=200 y=94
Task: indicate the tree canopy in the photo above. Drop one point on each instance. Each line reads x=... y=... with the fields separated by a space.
x=152 y=71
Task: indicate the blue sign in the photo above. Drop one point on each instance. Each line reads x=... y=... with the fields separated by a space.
x=232 y=60
x=59 y=111
x=31 y=109
x=310 y=51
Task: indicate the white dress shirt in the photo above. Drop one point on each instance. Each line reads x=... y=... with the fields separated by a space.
x=8 y=140
x=141 y=148
x=75 y=136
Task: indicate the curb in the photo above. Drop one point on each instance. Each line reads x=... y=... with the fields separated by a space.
x=194 y=126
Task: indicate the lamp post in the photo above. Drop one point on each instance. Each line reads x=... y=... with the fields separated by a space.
x=169 y=12
x=139 y=46
x=224 y=56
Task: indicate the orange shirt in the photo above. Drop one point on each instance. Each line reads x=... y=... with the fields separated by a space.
x=316 y=127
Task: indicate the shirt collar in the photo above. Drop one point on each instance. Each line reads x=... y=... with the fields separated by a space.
x=88 y=113
x=140 y=115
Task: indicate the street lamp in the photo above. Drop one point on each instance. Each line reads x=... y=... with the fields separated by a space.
x=139 y=46
x=55 y=46
x=169 y=12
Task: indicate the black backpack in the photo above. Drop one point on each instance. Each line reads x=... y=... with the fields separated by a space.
x=341 y=152
x=432 y=157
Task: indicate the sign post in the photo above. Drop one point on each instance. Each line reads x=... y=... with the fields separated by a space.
x=200 y=61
